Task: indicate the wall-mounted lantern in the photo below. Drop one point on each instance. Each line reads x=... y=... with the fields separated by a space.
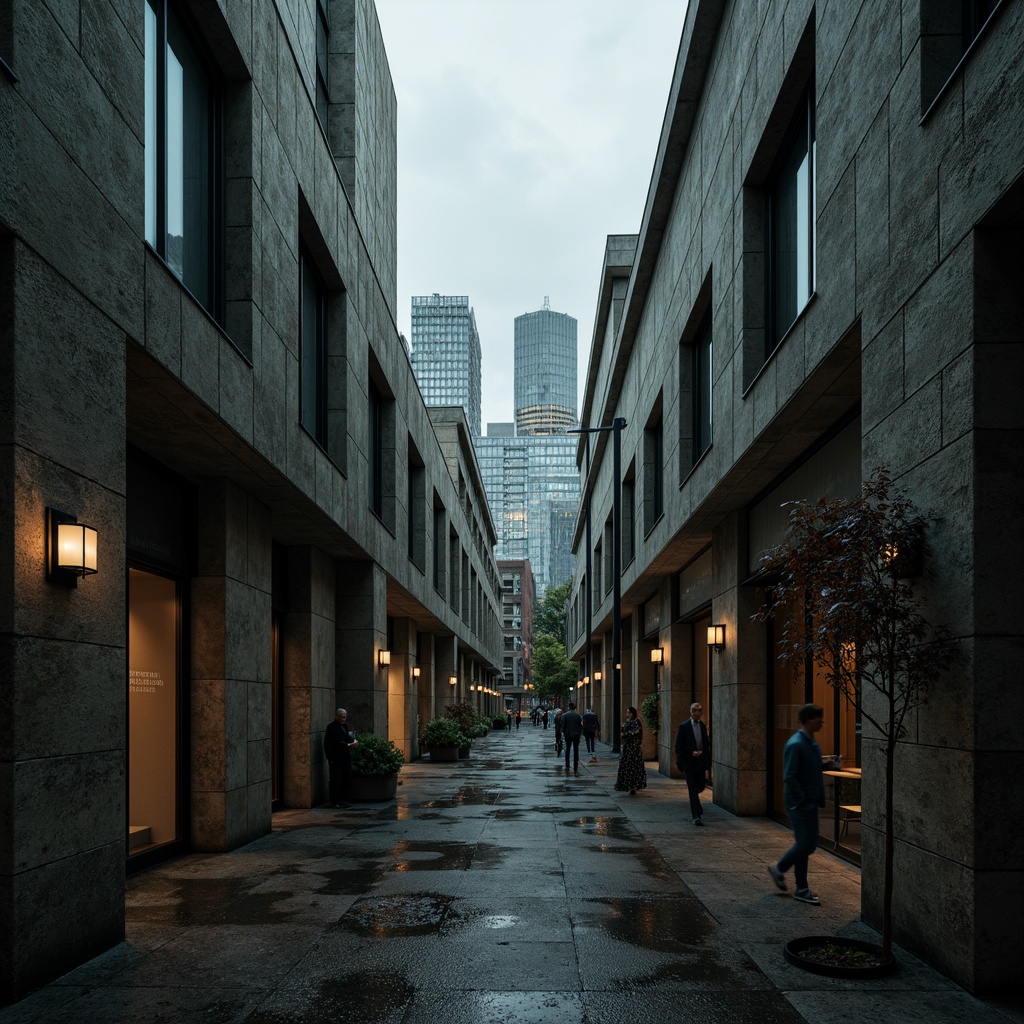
x=71 y=548
x=658 y=656
x=453 y=680
x=598 y=675
x=383 y=658
x=416 y=672
x=716 y=636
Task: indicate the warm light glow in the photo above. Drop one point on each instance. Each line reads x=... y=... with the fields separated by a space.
x=598 y=676
x=383 y=658
x=657 y=655
x=716 y=636
x=416 y=672
x=76 y=548
x=453 y=680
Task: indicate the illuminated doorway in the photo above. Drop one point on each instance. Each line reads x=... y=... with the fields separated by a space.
x=155 y=719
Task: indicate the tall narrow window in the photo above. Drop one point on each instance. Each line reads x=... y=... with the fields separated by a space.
x=183 y=165
x=629 y=517
x=376 y=456
x=975 y=14
x=790 y=219
x=701 y=378
x=323 y=30
x=654 y=496
x=312 y=351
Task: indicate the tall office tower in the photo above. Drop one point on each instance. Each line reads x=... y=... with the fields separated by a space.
x=533 y=489
x=446 y=353
x=545 y=372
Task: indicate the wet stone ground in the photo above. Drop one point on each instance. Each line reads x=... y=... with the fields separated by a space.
x=498 y=890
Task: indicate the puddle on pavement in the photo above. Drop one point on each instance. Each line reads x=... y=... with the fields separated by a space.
x=360 y=997
x=416 y=856
x=349 y=881
x=467 y=796
x=188 y=901
x=606 y=827
x=703 y=969
x=663 y=925
x=506 y=814
x=396 y=916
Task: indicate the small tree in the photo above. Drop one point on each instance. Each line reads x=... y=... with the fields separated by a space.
x=553 y=672
x=848 y=565
x=549 y=615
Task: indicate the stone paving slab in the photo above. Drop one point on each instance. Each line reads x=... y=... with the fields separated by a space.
x=498 y=889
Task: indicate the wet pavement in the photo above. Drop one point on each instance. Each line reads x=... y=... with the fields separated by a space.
x=492 y=890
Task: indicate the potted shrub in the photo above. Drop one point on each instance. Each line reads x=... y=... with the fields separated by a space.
x=376 y=763
x=498 y=722
x=443 y=738
x=650 y=711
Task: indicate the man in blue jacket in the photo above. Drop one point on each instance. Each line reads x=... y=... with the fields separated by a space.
x=803 y=793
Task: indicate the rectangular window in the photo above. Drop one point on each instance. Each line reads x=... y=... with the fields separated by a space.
x=312 y=351
x=695 y=392
x=628 y=518
x=654 y=477
x=790 y=219
x=323 y=30
x=183 y=160
x=376 y=455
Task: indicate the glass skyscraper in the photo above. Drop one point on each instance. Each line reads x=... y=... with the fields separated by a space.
x=533 y=489
x=446 y=353
x=545 y=372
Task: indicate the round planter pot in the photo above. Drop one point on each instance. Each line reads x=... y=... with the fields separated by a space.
x=372 y=787
x=795 y=952
x=444 y=753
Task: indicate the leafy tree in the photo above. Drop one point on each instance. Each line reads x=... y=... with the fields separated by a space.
x=553 y=672
x=549 y=615
x=847 y=564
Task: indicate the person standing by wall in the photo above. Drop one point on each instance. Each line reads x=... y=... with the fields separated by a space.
x=693 y=755
x=591 y=730
x=803 y=793
x=339 y=741
x=632 y=774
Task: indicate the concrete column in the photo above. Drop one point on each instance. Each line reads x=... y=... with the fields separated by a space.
x=63 y=658
x=676 y=691
x=425 y=686
x=308 y=646
x=446 y=660
x=738 y=677
x=231 y=670
x=361 y=620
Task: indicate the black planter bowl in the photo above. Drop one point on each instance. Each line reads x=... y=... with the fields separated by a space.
x=794 y=952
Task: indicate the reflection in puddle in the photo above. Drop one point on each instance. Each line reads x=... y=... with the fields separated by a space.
x=659 y=923
x=391 y=916
x=606 y=827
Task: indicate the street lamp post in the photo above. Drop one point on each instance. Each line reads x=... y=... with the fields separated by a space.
x=615 y=427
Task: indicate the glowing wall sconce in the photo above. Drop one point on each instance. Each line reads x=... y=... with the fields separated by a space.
x=598 y=676
x=416 y=672
x=658 y=656
x=716 y=636
x=383 y=658
x=71 y=548
x=453 y=680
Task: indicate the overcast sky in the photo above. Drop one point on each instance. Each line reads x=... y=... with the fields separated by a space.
x=527 y=131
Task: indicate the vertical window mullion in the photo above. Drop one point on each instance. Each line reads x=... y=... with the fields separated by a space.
x=161 y=129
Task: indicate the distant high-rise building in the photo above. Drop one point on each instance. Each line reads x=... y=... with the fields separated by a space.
x=545 y=372
x=533 y=490
x=446 y=353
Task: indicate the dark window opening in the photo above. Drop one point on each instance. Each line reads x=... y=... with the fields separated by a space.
x=323 y=30
x=313 y=325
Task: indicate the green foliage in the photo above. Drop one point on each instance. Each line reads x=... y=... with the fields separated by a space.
x=650 y=710
x=553 y=672
x=376 y=755
x=549 y=615
x=465 y=716
x=499 y=722
x=444 y=732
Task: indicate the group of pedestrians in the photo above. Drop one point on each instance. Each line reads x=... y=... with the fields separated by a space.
x=802 y=767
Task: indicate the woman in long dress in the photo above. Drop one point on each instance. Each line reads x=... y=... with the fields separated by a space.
x=632 y=774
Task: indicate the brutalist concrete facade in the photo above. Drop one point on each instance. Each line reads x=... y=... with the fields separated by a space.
x=907 y=350
x=296 y=558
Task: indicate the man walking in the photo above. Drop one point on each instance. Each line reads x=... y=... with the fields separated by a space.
x=803 y=793
x=572 y=729
x=693 y=755
x=591 y=729
x=338 y=743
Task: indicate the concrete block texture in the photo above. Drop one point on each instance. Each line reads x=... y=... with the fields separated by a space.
x=36 y=907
